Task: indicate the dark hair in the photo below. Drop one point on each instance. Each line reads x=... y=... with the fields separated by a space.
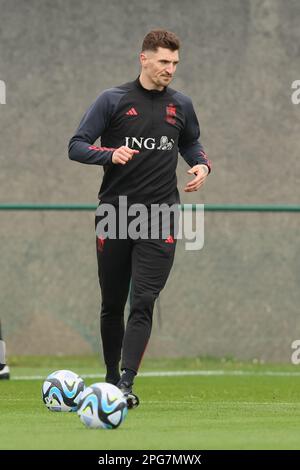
x=160 y=38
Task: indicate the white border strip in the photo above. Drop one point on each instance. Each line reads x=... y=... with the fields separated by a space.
x=181 y=373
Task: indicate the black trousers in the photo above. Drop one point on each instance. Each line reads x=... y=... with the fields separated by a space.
x=146 y=263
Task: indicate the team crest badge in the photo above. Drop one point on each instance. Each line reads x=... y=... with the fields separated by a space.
x=171 y=113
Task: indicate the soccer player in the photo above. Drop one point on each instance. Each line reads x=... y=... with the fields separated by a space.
x=4 y=369
x=142 y=124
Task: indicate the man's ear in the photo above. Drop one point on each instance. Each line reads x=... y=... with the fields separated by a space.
x=143 y=58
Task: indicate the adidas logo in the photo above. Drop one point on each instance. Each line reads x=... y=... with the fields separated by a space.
x=132 y=112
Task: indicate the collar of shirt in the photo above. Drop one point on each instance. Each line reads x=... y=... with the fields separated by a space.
x=151 y=93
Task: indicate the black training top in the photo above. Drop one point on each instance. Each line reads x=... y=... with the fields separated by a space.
x=157 y=123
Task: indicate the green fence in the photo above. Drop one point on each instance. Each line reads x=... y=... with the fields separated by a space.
x=207 y=207
x=239 y=296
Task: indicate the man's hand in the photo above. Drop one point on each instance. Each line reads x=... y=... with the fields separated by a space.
x=123 y=155
x=201 y=172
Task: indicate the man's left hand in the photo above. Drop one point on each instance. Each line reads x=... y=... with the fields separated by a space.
x=200 y=172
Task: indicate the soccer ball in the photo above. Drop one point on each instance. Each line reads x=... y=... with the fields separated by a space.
x=62 y=390
x=102 y=405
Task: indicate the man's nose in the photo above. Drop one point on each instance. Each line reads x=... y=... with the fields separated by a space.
x=170 y=69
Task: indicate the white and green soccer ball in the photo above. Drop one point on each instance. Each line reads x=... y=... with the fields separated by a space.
x=62 y=390
x=102 y=405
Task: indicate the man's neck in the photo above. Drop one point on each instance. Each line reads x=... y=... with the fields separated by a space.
x=148 y=84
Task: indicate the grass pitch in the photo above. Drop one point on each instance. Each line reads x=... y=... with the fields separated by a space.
x=231 y=406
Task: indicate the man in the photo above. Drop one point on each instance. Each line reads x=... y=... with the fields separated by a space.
x=4 y=369
x=142 y=125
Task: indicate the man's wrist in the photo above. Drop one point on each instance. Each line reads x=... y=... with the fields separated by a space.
x=205 y=167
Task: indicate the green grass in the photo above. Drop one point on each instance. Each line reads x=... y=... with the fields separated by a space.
x=192 y=412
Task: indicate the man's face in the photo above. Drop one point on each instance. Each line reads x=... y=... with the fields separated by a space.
x=159 y=66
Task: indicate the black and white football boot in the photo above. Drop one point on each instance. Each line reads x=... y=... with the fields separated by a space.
x=132 y=399
x=4 y=372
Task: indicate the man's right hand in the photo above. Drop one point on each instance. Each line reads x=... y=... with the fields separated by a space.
x=122 y=155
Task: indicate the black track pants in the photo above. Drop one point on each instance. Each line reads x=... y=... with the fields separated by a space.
x=147 y=264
